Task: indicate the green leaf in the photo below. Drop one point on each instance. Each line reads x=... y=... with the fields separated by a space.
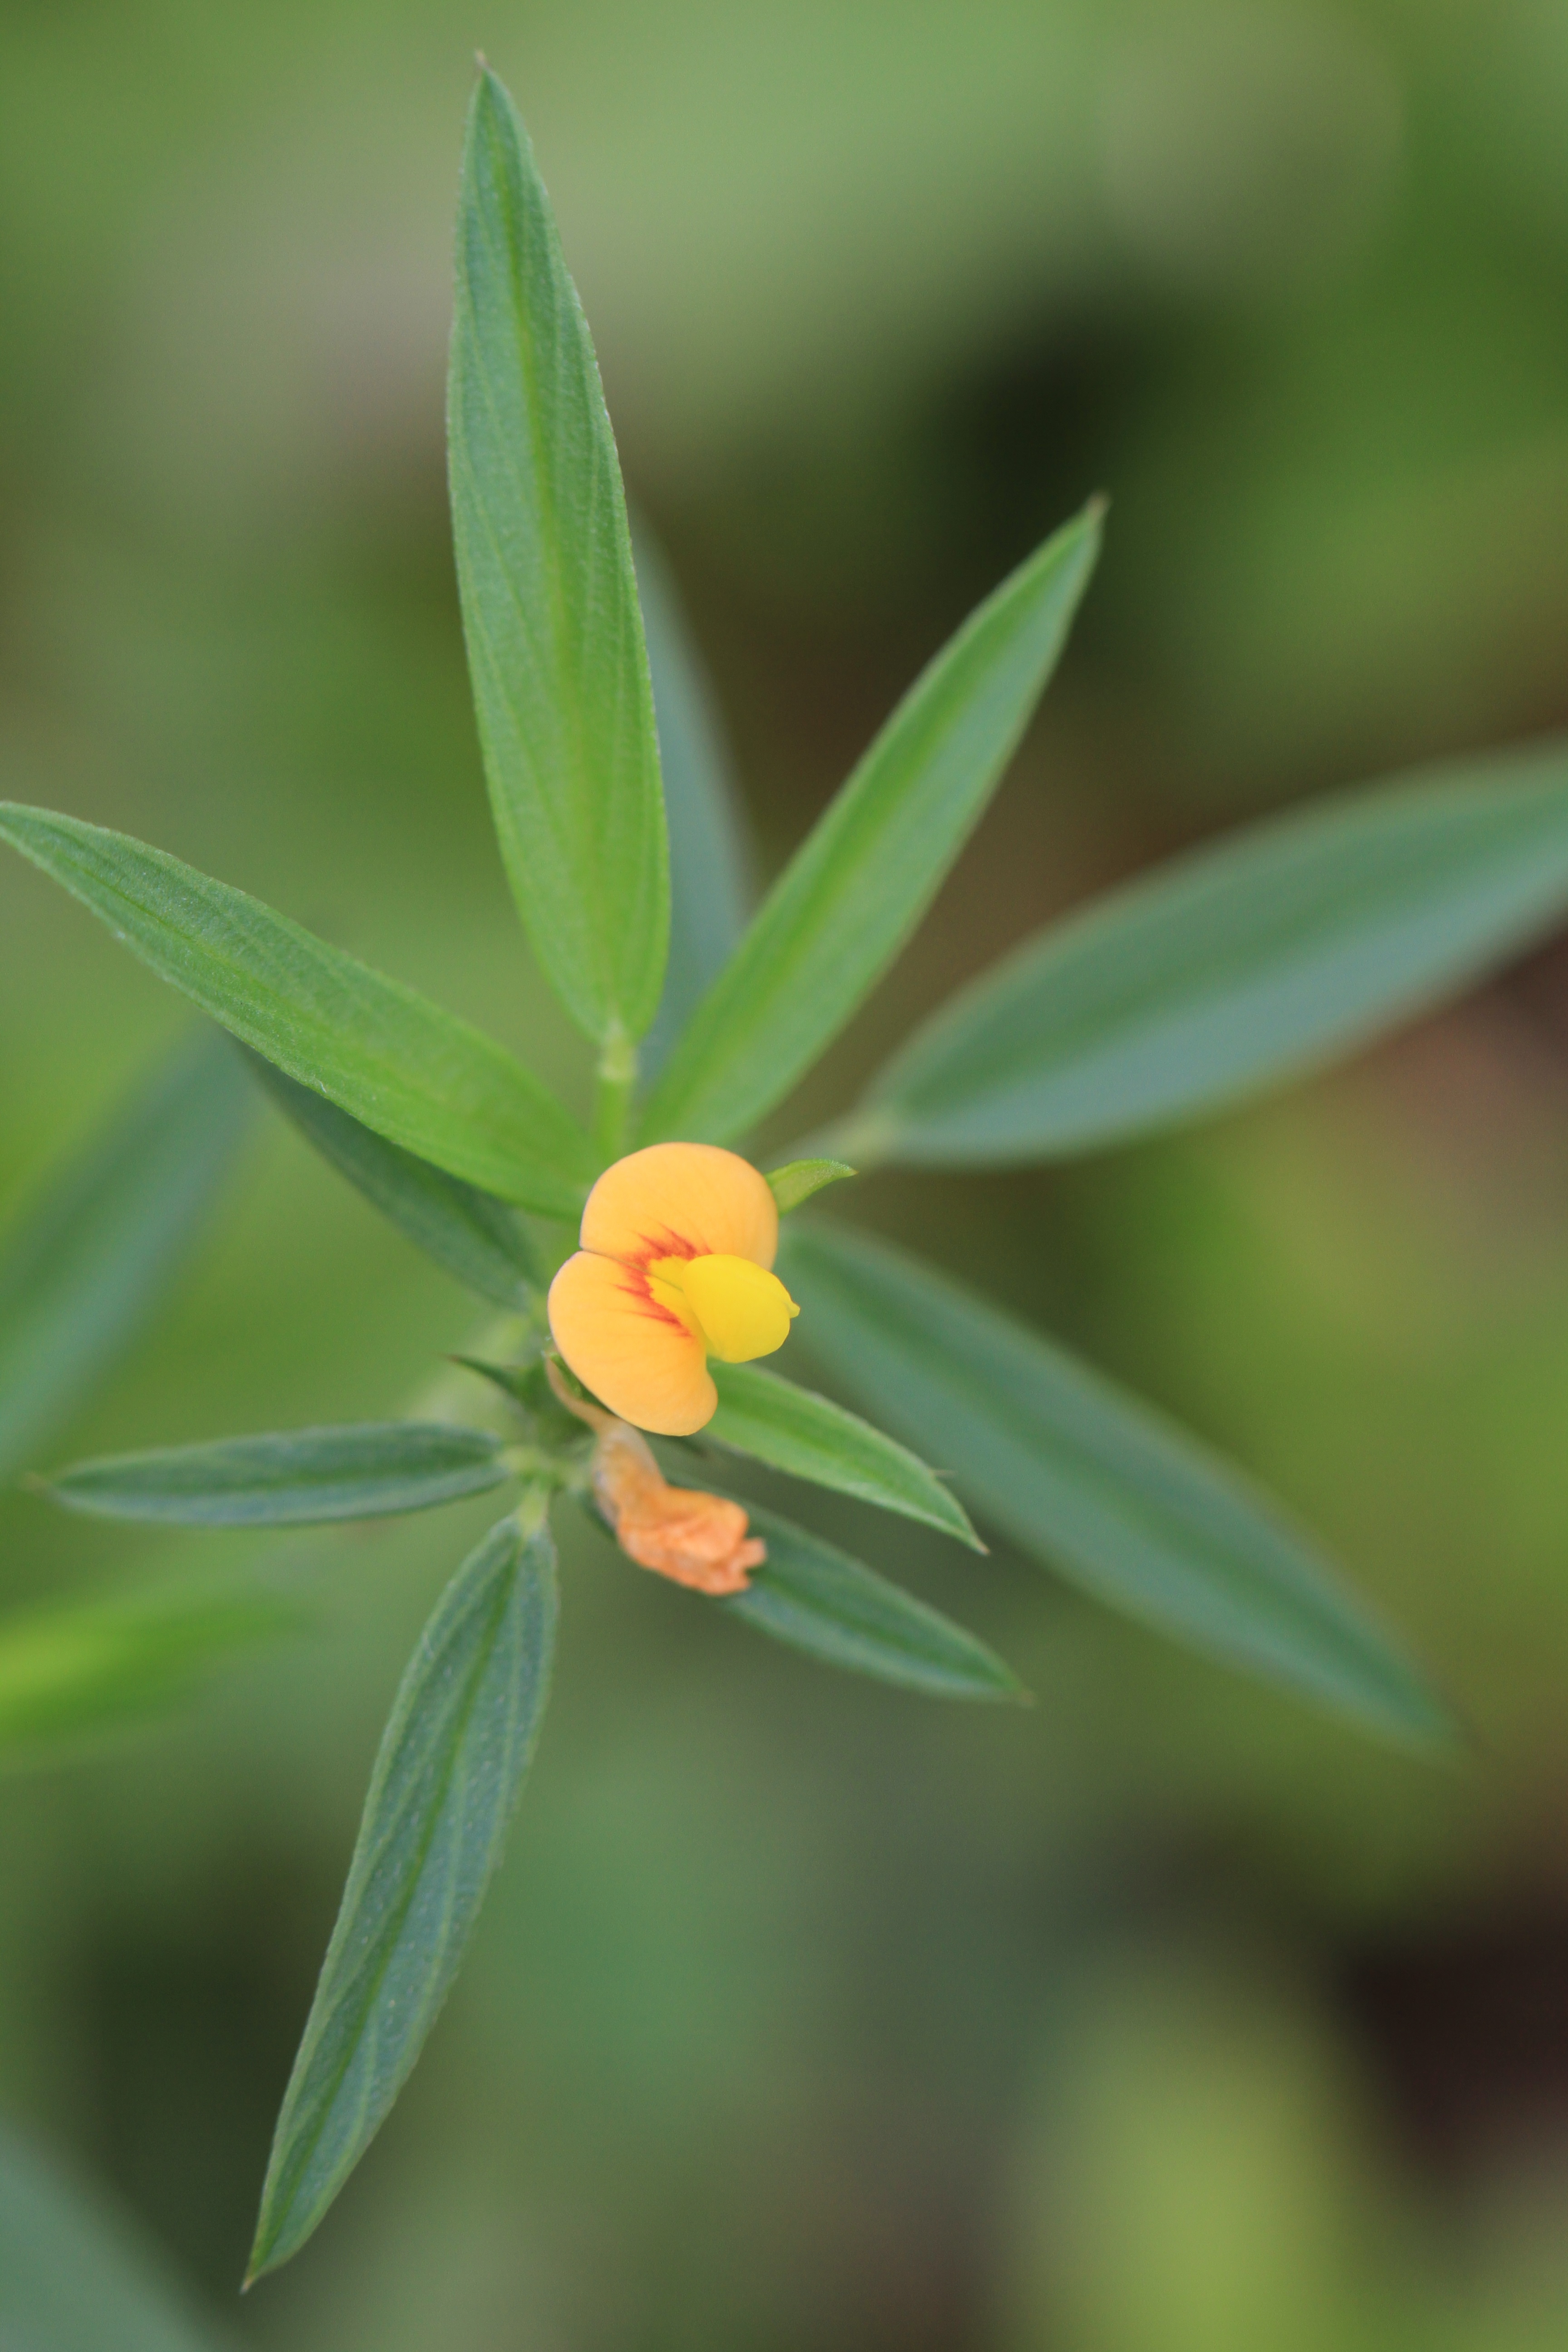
x=853 y=892
x=295 y=1479
x=1096 y=1484
x=452 y=1761
x=815 y=1597
x=549 y=601
x=474 y=1237
x=92 y=1259
x=792 y=1185
x=75 y=2276
x=1232 y=968
x=77 y=1669
x=710 y=860
x=805 y=1435
x=385 y=1054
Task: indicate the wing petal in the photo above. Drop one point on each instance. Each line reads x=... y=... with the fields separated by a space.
x=641 y=1354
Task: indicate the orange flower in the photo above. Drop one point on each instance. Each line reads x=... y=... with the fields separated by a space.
x=694 y=1538
x=675 y=1265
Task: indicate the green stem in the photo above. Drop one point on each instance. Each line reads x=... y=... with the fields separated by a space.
x=545 y=1469
x=617 y=1076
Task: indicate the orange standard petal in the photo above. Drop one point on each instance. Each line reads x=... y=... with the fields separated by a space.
x=681 y=1200
x=618 y=1311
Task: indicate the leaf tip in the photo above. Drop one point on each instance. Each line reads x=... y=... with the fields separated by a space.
x=966 y=1531
x=1444 y=1734
x=794 y=1183
x=489 y=90
x=1086 y=536
x=1419 y=1716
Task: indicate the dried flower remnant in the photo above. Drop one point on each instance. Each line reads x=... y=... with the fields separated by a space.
x=675 y=1265
x=694 y=1538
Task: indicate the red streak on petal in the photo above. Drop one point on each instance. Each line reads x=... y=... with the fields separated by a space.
x=644 y=1302
x=666 y=1244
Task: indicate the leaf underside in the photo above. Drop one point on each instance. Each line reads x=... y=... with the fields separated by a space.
x=302 y=1477
x=1233 y=968
x=1097 y=1487
x=75 y=2276
x=817 y=1599
x=452 y=1761
x=92 y=1261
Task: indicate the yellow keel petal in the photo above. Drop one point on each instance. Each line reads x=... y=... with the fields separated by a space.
x=744 y=1310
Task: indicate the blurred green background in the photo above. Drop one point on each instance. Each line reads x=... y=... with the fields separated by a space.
x=1167 y=2017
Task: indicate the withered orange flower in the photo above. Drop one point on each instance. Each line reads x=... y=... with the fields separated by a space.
x=678 y=1246
x=695 y=1539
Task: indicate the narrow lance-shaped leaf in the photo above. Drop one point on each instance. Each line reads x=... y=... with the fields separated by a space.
x=474 y=1237
x=75 y=2276
x=810 y=1437
x=75 y=1669
x=1233 y=968
x=90 y=1261
x=711 y=862
x=452 y=1761
x=385 y=1054
x=293 y=1479
x=1094 y=1484
x=815 y=1597
x=855 y=890
x=550 y=602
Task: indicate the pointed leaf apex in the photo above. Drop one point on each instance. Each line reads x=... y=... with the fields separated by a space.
x=796 y=1182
